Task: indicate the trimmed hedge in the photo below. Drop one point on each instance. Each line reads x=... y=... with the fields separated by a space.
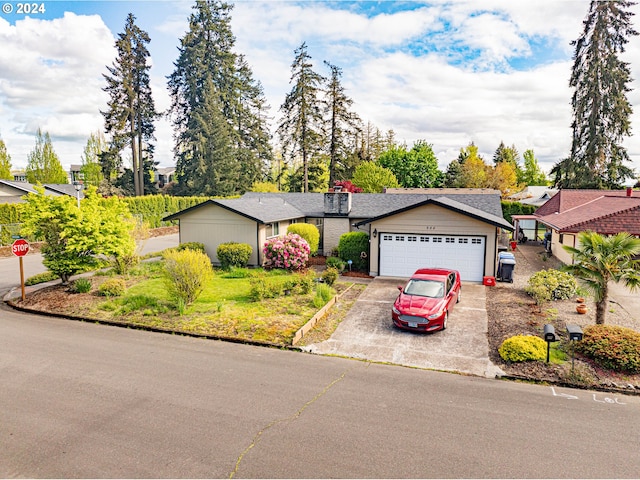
x=234 y=254
x=153 y=208
x=614 y=348
x=354 y=246
x=515 y=208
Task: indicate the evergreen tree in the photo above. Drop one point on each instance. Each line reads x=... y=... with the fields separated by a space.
x=43 y=165
x=131 y=109
x=343 y=125
x=5 y=162
x=300 y=130
x=212 y=82
x=600 y=106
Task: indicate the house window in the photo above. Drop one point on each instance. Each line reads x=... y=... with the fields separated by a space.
x=273 y=229
x=562 y=238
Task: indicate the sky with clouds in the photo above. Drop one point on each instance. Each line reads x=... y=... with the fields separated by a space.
x=448 y=72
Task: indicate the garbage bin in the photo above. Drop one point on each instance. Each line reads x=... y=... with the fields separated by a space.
x=505 y=269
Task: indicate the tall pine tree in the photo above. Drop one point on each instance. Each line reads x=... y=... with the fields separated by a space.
x=601 y=109
x=300 y=130
x=218 y=109
x=343 y=128
x=131 y=109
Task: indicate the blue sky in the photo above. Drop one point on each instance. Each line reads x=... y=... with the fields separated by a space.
x=448 y=72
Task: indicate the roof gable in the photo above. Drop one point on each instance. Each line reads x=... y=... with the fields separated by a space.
x=567 y=199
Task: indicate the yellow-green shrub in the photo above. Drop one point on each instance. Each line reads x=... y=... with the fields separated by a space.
x=113 y=287
x=309 y=232
x=330 y=275
x=522 y=348
x=186 y=274
x=551 y=284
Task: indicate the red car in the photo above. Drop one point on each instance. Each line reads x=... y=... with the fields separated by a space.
x=426 y=300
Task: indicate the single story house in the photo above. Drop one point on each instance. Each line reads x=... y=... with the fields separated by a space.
x=454 y=228
x=12 y=191
x=570 y=212
x=533 y=195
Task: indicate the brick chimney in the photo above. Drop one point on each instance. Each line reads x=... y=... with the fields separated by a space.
x=337 y=203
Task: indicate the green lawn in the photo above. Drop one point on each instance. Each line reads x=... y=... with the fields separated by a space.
x=224 y=309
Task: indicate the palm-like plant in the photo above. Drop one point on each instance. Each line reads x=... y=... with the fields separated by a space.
x=599 y=260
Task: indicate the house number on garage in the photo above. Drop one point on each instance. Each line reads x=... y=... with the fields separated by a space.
x=430 y=227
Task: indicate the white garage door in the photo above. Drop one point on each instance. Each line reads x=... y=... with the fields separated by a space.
x=402 y=254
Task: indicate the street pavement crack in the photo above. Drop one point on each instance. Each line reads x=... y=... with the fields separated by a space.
x=295 y=415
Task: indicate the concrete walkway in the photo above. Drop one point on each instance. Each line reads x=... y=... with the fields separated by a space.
x=367 y=333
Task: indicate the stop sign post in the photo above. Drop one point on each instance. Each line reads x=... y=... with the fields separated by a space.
x=20 y=248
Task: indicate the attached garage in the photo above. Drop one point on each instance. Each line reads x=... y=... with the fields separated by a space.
x=402 y=254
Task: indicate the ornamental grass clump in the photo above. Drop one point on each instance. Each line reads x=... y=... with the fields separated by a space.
x=290 y=252
x=523 y=348
x=186 y=274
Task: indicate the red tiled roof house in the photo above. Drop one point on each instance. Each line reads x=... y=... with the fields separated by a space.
x=603 y=211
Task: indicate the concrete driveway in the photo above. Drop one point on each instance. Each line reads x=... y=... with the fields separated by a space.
x=368 y=333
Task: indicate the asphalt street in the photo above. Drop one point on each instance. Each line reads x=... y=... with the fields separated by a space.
x=86 y=400
x=32 y=262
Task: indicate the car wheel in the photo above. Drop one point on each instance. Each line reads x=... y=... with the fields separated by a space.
x=444 y=323
x=459 y=295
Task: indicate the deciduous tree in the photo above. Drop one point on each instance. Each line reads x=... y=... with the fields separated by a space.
x=5 y=162
x=416 y=168
x=75 y=237
x=91 y=169
x=532 y=174
x=372 y=178
x=43 y=165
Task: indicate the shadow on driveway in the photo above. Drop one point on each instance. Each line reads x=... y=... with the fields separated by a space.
x=367 y=332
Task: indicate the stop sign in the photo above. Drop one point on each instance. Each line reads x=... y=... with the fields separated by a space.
x=20 y=247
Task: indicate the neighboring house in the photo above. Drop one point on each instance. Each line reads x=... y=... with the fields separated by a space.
x=533 y=195
x=438 y=227
x=570 y=212
x=19 y=175
x=12 y=192
x=164 y=175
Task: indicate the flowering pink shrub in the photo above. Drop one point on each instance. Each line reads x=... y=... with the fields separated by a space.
x=290 y=252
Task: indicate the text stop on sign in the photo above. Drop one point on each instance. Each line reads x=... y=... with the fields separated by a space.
x=20 y=247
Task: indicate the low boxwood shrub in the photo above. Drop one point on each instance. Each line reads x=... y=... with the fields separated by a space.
x=354 y=246
x=113 y=287
x=551 y=284
x=612 y=347
x=233 y=254
x=523 y=348
x=309 y=232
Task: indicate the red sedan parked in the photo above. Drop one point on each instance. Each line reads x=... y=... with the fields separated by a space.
x=426 y=300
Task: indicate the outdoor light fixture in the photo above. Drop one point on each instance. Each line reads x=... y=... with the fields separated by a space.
x=78 y=186
x=375 y=233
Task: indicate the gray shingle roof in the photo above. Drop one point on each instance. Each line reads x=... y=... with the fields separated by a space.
x=273 y=207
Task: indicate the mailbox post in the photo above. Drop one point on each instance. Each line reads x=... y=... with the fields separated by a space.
x=549 y=336
x=575 y=335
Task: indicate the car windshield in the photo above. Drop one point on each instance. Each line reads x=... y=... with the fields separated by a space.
x=425 y=288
